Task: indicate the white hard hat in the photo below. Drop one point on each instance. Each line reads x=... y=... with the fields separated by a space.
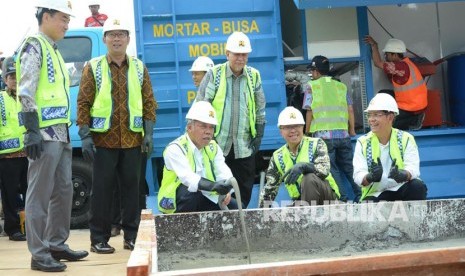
x=290 y=116
x=113 y=24
x=383 y=101
x=202 y=111
x=63 y=6
x=202 y=64
x=238 y=42
x=94 y=3
x=394 y=45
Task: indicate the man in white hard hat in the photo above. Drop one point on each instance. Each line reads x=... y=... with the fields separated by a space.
x=330 y=116
x=195 y=172
x=116 y=115
x=386 y=160
x=410 y=90
x=43 y=90
x=302 y=164
x=235 y=91
x=199 y=68
x=96 y=19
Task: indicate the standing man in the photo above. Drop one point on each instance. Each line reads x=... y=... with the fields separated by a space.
x=195 y=173
x=43 y=89
x=235 y=91
x=116 y=110
x=386 y=160
x=96 y=19
x=13 y=160
x=199 y=68
x=302 y=164
x=330 y=116
x=410 y=90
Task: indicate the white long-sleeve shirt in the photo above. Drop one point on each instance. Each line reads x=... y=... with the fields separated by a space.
x=177 y=161
x=411 y=164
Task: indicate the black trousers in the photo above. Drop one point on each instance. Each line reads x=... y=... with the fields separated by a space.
x=13 y=180
x=196 y=202
x=415 y=189
x=113 y=167
x=243 y=169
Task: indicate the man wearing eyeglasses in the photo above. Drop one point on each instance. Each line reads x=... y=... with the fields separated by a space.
x=386 y=160
x=302 y=164
x=116 y=116
x=410 y=90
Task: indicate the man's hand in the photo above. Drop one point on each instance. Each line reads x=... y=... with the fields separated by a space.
x=376 y=172
x=147 y=143
x=369 y=40
x=291 y=176
x=400 y=176
x=32 y=139
x=256 y=142
x=222 y=187
x=88 y=147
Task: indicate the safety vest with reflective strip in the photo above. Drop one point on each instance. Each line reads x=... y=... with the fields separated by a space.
x=102 y=108
x=219 y=75
x=370 y=148
x=11 y=125
x=329 y=105
x=52 y=95
x=284 y=162
x=171 y=182
x=411 y=96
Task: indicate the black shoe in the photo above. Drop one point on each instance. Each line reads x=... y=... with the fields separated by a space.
x=69 y=255
x=129 y=244
x=102 y=248
x=18 y=236
x=47 y=265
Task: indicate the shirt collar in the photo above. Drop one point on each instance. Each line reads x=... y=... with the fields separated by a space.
x=109 y=60
x=229 y=72
x=54 y=45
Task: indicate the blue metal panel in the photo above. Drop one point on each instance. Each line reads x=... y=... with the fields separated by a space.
x=170 y=34
x=316 y=4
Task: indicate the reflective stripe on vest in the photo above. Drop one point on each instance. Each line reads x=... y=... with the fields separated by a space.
x=171 y=182
x=370 y=149
x=11 y=126
x=329 y=105
x=411 y=96
x=219 y=75
x=52 y=95
x=284 y=162
x=102 y=108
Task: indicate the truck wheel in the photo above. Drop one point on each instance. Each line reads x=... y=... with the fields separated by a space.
x=82 y=184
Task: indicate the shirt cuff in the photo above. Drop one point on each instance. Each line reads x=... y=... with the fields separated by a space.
x=194 y=185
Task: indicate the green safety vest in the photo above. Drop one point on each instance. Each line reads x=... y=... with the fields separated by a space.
x=371 y=150
x=52 y=95
x=329 y=105
x=171 y=182
x=219 y=78
x=11 y=126
x=102 y=108
x=284 y=162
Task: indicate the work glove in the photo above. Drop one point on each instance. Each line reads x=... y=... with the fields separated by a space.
x=88 y=147
x=32 y=139
x=376 y=172
x=147 y=143
x=291 y=176
x=256 y=142
x=222 y=187
x=399 y=176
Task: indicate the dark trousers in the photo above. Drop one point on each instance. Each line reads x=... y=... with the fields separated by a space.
x=113 y=167
x=341 y=155
x=415 y=189
x=243 y=169
x=196 y=202
x=13 y=180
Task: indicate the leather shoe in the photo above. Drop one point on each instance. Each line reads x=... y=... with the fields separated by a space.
x=129 y=244
x=17 y=237
x=69 y=255
x=102 y=248
x=47 y=265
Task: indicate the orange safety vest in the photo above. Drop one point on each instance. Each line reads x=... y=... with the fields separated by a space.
x=411 y=96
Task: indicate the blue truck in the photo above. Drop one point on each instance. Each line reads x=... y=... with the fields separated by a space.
x=285 y=35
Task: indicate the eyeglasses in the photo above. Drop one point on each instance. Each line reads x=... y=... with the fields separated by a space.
x=376 y=115
x=290 y=127
x=119 y=35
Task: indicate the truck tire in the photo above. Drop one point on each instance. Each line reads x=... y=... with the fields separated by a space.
x=82 y=184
